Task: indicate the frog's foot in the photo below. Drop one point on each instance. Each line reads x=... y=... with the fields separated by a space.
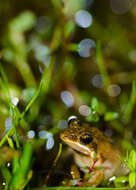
x=72 y=182
x=75 y=174
x=96 y=178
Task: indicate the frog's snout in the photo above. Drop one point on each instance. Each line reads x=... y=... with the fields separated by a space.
x=62 y=136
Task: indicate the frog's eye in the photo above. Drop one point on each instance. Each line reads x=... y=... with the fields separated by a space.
x=86 y=139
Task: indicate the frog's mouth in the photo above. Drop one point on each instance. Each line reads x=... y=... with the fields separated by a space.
x=78 y=147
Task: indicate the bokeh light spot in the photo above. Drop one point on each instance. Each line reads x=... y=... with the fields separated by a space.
x=84 y=110
x=31 y=134
x=134 y=142
x=8 y=164
x=132 y=56
x=8 y=123
x=50 y=143
x=42 y=134
x=67 y=98
x=62 y=124
x=41 y=52
x=43 y=24
x=120 y=6
x=28 y=93
x=114 y=90
x=97 y=81
x=3 y=183
x=85 y=46
x=14 y=101
x=89 y=3
x=83 y=18
x=112 y=178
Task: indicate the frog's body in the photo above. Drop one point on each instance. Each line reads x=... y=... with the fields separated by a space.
x=93 y=153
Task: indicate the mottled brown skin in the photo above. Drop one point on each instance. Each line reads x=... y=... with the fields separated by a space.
x=93 y=153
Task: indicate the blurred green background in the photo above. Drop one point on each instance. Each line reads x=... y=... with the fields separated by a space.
x=62 y=58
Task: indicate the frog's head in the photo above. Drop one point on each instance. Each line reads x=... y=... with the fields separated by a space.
x=81 y=138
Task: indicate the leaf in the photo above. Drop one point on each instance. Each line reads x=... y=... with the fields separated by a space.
x=69 y=28
x=11 y=144
x=119 y=181
x=21 y=172
x=15 y=164
x=101 y=66
x=130 y=106
x=93 y=117
x=23 y=22
x=95 y=104
x=132 y=179
x=132 y=160
x=5 y=172
x=28 y=94
x=110 y=116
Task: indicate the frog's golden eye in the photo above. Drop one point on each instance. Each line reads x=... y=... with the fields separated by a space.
x=86 y=138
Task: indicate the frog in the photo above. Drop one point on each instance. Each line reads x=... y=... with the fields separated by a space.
x=94 y=154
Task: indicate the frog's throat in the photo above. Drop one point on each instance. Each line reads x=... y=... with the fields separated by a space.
x=78 y=147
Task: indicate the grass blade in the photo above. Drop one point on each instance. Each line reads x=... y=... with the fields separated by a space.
x=101 y=66
x=128 y=111
x=32 y=101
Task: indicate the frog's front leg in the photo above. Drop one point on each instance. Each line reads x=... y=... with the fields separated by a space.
x=75 y=172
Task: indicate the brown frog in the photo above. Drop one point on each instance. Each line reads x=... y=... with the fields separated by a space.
x=94 y=155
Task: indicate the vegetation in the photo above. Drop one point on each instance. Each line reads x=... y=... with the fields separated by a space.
x=54 y=65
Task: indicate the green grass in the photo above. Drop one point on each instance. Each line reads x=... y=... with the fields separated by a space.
x=102 y=66
x=16 y=115
x=79 y=188
x=21 y=172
